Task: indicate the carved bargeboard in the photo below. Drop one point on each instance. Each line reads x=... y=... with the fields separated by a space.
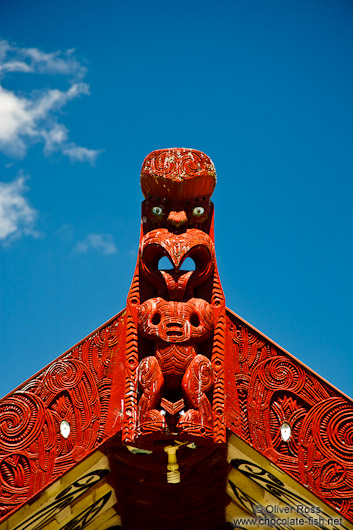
x=266 y=388
x=76 y=389
x=174 y=376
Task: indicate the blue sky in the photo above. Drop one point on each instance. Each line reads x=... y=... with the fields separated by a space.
x=88 y=89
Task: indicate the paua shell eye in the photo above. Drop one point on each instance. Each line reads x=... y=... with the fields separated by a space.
x=198 y=210
x=157 y=210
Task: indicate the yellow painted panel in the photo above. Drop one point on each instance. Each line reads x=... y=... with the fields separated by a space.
x=260 y=487
x=59 y=498
x=88 y=508
x=105 y=521
x=235 y=513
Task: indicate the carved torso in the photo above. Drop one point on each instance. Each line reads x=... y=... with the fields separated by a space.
x=175 y=328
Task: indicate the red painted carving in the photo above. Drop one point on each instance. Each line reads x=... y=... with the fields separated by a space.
x=176 y=368
x=176 y=283
x=267 y=387
x=76 y=388
x=161 y=368
x=175 y=317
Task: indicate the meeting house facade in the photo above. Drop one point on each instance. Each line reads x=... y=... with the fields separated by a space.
x=176 y=413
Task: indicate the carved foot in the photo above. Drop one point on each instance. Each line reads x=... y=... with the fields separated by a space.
x=193 y=423
x=153 y=422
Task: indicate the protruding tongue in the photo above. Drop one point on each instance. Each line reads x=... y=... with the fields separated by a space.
x=176 y=283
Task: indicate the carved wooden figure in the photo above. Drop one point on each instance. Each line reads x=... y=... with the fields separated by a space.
x=176 y=367
x=175 y=317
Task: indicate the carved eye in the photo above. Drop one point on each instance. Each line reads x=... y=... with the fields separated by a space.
x=157 y=210
x=198 y=210
x=65 y=429
x=285 y=432
x=156 y=318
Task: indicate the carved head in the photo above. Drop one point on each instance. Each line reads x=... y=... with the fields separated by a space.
x=176 y=321
x=177 y=184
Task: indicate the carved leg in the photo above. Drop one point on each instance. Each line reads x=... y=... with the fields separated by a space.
x=151 y=380
x=197 y=380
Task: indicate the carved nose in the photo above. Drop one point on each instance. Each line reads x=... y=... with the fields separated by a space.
x=177 y=218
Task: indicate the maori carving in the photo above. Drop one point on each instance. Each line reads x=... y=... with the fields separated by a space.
x=326 y=452
x=75 y=388
x=266 y=387
x=177 y=284
x=175 y=328
x=176 y=365
x=174 y=383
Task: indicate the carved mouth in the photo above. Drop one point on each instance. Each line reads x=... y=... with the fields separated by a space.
x=174 y=333
x=194 y=249
x=175 y=261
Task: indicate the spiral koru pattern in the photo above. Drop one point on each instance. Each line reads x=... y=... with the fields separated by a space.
x=195 y=164
x=148 y=371
x=201 y=372
x=330 y=426
x=22 y=417
x=178 y=164
x=64 y=374
x=280 y=373
x=162 y=163
x=108 y=336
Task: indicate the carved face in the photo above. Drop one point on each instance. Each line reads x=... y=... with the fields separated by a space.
x=176 y=321
x=177 y=184
x=192 y=213
x=177 y=247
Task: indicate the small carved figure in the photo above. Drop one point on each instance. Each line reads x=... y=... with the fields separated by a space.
x=176 y=328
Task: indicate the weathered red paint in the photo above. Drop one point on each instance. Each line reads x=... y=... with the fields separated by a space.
x=266 y=387
x=193 y=357
x=77 y=388
x=176 y=317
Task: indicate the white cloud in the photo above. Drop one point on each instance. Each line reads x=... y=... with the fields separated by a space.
x=54 y=138
x=17 y=217
x=16 y=59
x=32 y=118
x=15 y=66
x=102 y=243
x=81 y=154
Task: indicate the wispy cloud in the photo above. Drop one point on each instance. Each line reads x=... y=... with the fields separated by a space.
x=16 y=59
x=102 y=243
x=26 y=119
x=17 y=217
x=81 y=154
